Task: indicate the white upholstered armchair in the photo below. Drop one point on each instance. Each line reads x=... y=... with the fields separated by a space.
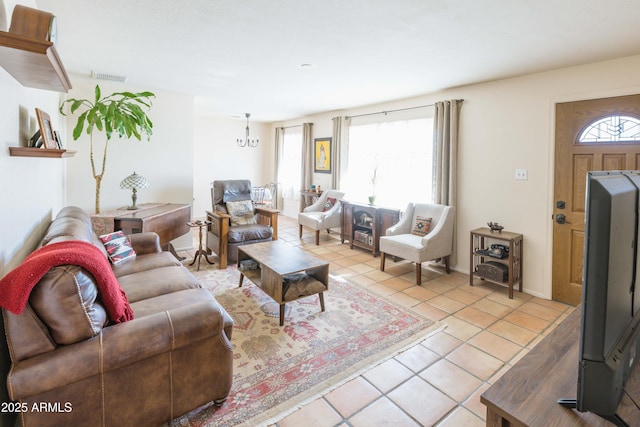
x=424 y=233
x=323 y=214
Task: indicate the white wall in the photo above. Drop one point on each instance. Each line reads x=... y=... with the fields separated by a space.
x=509 y=124
x=165 y=160
x=217 y=156
x=33 y=189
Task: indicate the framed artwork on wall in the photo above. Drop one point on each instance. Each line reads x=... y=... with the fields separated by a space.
x=322 y=155
x=46 y=131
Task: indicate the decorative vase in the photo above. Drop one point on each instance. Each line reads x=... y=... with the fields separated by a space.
x=372 y=200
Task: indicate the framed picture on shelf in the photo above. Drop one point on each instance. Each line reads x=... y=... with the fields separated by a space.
x=46 y=131
x=322 y=155
x=56 y=134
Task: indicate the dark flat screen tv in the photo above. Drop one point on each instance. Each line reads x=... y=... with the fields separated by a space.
x=609 y=339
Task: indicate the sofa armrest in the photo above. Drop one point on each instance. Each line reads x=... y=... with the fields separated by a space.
x=145 y=243
x=269 y=217
x=118 y=345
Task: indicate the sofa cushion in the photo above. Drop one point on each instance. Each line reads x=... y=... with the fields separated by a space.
x=328 y=204
x=157 y=281
x=244 y=233
x=145 y=262
x=65 y=301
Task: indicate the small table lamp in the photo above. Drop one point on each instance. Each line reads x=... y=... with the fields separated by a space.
x=134 y=182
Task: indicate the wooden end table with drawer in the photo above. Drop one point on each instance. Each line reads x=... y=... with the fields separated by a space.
x=276 y=260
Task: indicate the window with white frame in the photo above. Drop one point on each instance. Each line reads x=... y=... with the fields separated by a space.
x=391 y=160
x=290 y=169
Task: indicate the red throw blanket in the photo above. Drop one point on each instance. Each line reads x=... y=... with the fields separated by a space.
x=16 y=286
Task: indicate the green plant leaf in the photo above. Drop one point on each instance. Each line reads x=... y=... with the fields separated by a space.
x=79 y=126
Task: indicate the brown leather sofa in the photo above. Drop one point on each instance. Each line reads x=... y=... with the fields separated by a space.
x=71 y=366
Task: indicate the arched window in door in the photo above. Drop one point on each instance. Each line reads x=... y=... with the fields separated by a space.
x=613 y=129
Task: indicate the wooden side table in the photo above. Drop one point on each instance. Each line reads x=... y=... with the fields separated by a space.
x=310 y=197
x=480 y=237
x=200 y=252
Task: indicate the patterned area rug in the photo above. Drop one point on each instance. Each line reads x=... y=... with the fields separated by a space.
x=278 y=369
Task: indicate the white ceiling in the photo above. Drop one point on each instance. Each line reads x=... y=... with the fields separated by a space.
x=245 y=55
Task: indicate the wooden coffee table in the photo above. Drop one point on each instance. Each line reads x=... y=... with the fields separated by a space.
x=276 y=260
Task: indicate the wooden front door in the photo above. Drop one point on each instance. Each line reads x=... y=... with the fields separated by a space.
x=573 y=160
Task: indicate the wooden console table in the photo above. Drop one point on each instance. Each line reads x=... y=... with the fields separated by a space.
x=363 y=224
x=169 y=220
x=526 y=395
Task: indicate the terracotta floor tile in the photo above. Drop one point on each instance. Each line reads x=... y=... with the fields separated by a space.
x=446 y=304
x=463 y=296
x=381 y=413
x=512 y=332
x=381 y=289
x=460 y=329
x=419 y=293
x=403 y=299
x=378 y=275
x=412 y=396
x=437 y=286
x=353 y=396
x=430 y=311
x=388 y=375
x=346 y=262
x=417 y=358
x=362 y=268
x=452 y=380
x=492 y=307
x=552 y=304
x=397 y=284
x=316 y=414
x=476 y=317
x=475 y=361
x=473 y=402
x=462 y=417
x=527 y=321
x=538 y=310
x=442 y=343
x=494 y=345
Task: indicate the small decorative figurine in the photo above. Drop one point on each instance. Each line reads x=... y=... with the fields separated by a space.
x=494 y=226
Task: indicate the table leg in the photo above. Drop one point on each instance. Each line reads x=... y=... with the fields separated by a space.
x=281 y=314
x=321 y=296
x=241 y=279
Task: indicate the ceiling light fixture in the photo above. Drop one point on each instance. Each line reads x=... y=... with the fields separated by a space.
x=247 y=142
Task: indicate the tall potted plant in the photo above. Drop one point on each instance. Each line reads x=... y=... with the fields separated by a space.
x=121 y=112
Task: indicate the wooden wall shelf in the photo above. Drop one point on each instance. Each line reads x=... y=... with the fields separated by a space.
x=32 y=62
x=40 y=152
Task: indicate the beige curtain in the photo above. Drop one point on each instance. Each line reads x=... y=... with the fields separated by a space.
x=307 y=159
x=445 y=140
x=278 y=162
x=336 y=152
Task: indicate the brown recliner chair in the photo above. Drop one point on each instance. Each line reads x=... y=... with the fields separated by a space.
x=236 y=221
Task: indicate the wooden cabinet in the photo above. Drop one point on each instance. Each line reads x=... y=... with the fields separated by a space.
x=362 y=224
x=488 y=267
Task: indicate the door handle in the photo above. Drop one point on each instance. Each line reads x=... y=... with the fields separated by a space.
x=561 y=219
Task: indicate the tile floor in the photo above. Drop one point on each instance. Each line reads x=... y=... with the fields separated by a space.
x=439 y=381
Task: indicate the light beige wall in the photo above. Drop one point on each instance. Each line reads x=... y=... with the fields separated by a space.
x=33 y=189
x=505 y=125
x=217 y=156
x=165 y=160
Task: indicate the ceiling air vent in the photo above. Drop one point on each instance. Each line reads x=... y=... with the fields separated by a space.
x=111 y=77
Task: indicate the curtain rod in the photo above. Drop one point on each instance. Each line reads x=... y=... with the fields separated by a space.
x=393 y=111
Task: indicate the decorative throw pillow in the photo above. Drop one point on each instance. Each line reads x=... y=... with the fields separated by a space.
x=241 y=212
x=422 y=226
x=118 y=247
x=328 y=204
